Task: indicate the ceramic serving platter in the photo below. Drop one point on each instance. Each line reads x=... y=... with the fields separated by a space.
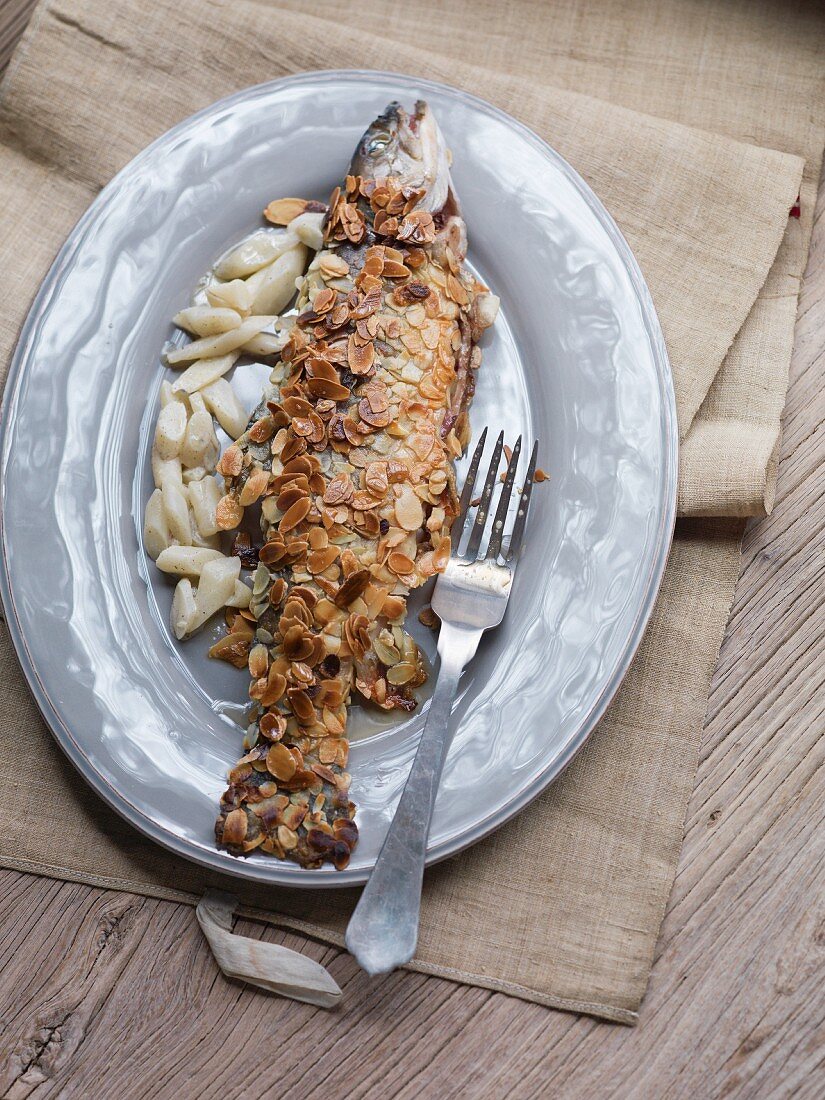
x=575 y=359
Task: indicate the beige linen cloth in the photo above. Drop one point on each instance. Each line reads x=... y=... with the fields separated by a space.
x=697 y=124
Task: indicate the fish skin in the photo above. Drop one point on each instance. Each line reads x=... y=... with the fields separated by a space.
x=369 y=472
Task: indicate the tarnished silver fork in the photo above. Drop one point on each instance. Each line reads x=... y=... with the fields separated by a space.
x=470 y=596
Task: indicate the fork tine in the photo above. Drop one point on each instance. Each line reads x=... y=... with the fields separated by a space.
x=467 y=492
x=504 y=503
x=484 y=505
x=523 y=504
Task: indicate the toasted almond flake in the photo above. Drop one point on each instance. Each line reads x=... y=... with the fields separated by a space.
x=301 y=705
x=280 y=762
x=409 y=512
x=339 y=490
x=318 y=538
x=319 y=560
x=228 y=513
x=234 y=827
x=287 y=838
x=352 y=588
x=333 y=266
x=328 y=750
x=254 y=487
x=401 y=673
x=294 y=515
x=258 y=661
x=540 y=476
x=456 y=291
x=397 y=471
x=301 y=673
x=282 y=211
x=400 y=564
x=360 y=358
x=231 y=462
x=272 y=725
x=233 y=648
x=326 y=388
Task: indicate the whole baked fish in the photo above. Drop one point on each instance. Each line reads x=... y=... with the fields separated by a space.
x=350 y=459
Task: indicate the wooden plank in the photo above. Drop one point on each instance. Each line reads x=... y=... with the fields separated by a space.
x=110 y=994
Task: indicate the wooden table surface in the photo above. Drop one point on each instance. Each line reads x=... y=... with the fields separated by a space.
x=108 y=994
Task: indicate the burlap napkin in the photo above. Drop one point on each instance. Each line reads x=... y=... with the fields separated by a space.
x=570 y=921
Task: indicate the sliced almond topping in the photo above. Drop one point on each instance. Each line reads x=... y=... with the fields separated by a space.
x=394 y=270
x=287 y=838
x=231 y=462
x=258 y=661
x=228 y=513
x=328 y=750
x=401 y=673
x=280 y=762
x=302 y=706
x=339 y=490
x=456 y=291
x=275 y=687
x=282 y=211
x=325 y=387
x=262 y=429
x=294 y=515
x=272 y=726
x=254 y=487
x=352 y=587
x=333 y=267
x=319 y=560
x=409 y=512
x=363 y=501
x=400 y=564
x=376 y=478
x=360 y=358
x=234 y=827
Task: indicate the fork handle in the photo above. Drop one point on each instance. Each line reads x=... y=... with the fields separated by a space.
x=383 y=931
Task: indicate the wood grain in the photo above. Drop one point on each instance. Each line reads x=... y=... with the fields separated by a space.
x=111 y=994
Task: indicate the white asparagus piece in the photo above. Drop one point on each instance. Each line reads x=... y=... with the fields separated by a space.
x=167 y=394
x=215 y=586
x=176 y=509
x=241 y=597
x=186 y=561
x=273 y=287
x=200 y=446
x=265 y=343
x=202 y=373
x=308 y=228
x=209 y=347
x=165 y=469
x=223 y=403
x=207 y=320
x=203 y=497
x=170 y=429
x=183 y=608
x=195 y=473
x=254 y=253
x=232 y=295
x=155 y=527
x=203 y=542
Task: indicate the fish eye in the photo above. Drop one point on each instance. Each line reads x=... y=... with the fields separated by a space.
x=378 y=143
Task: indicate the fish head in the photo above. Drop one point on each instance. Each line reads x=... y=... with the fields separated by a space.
x=410 y=148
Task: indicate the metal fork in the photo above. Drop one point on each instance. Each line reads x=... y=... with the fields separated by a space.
x=470 y=596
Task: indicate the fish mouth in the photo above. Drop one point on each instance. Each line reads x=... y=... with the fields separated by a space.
x=409 y=147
